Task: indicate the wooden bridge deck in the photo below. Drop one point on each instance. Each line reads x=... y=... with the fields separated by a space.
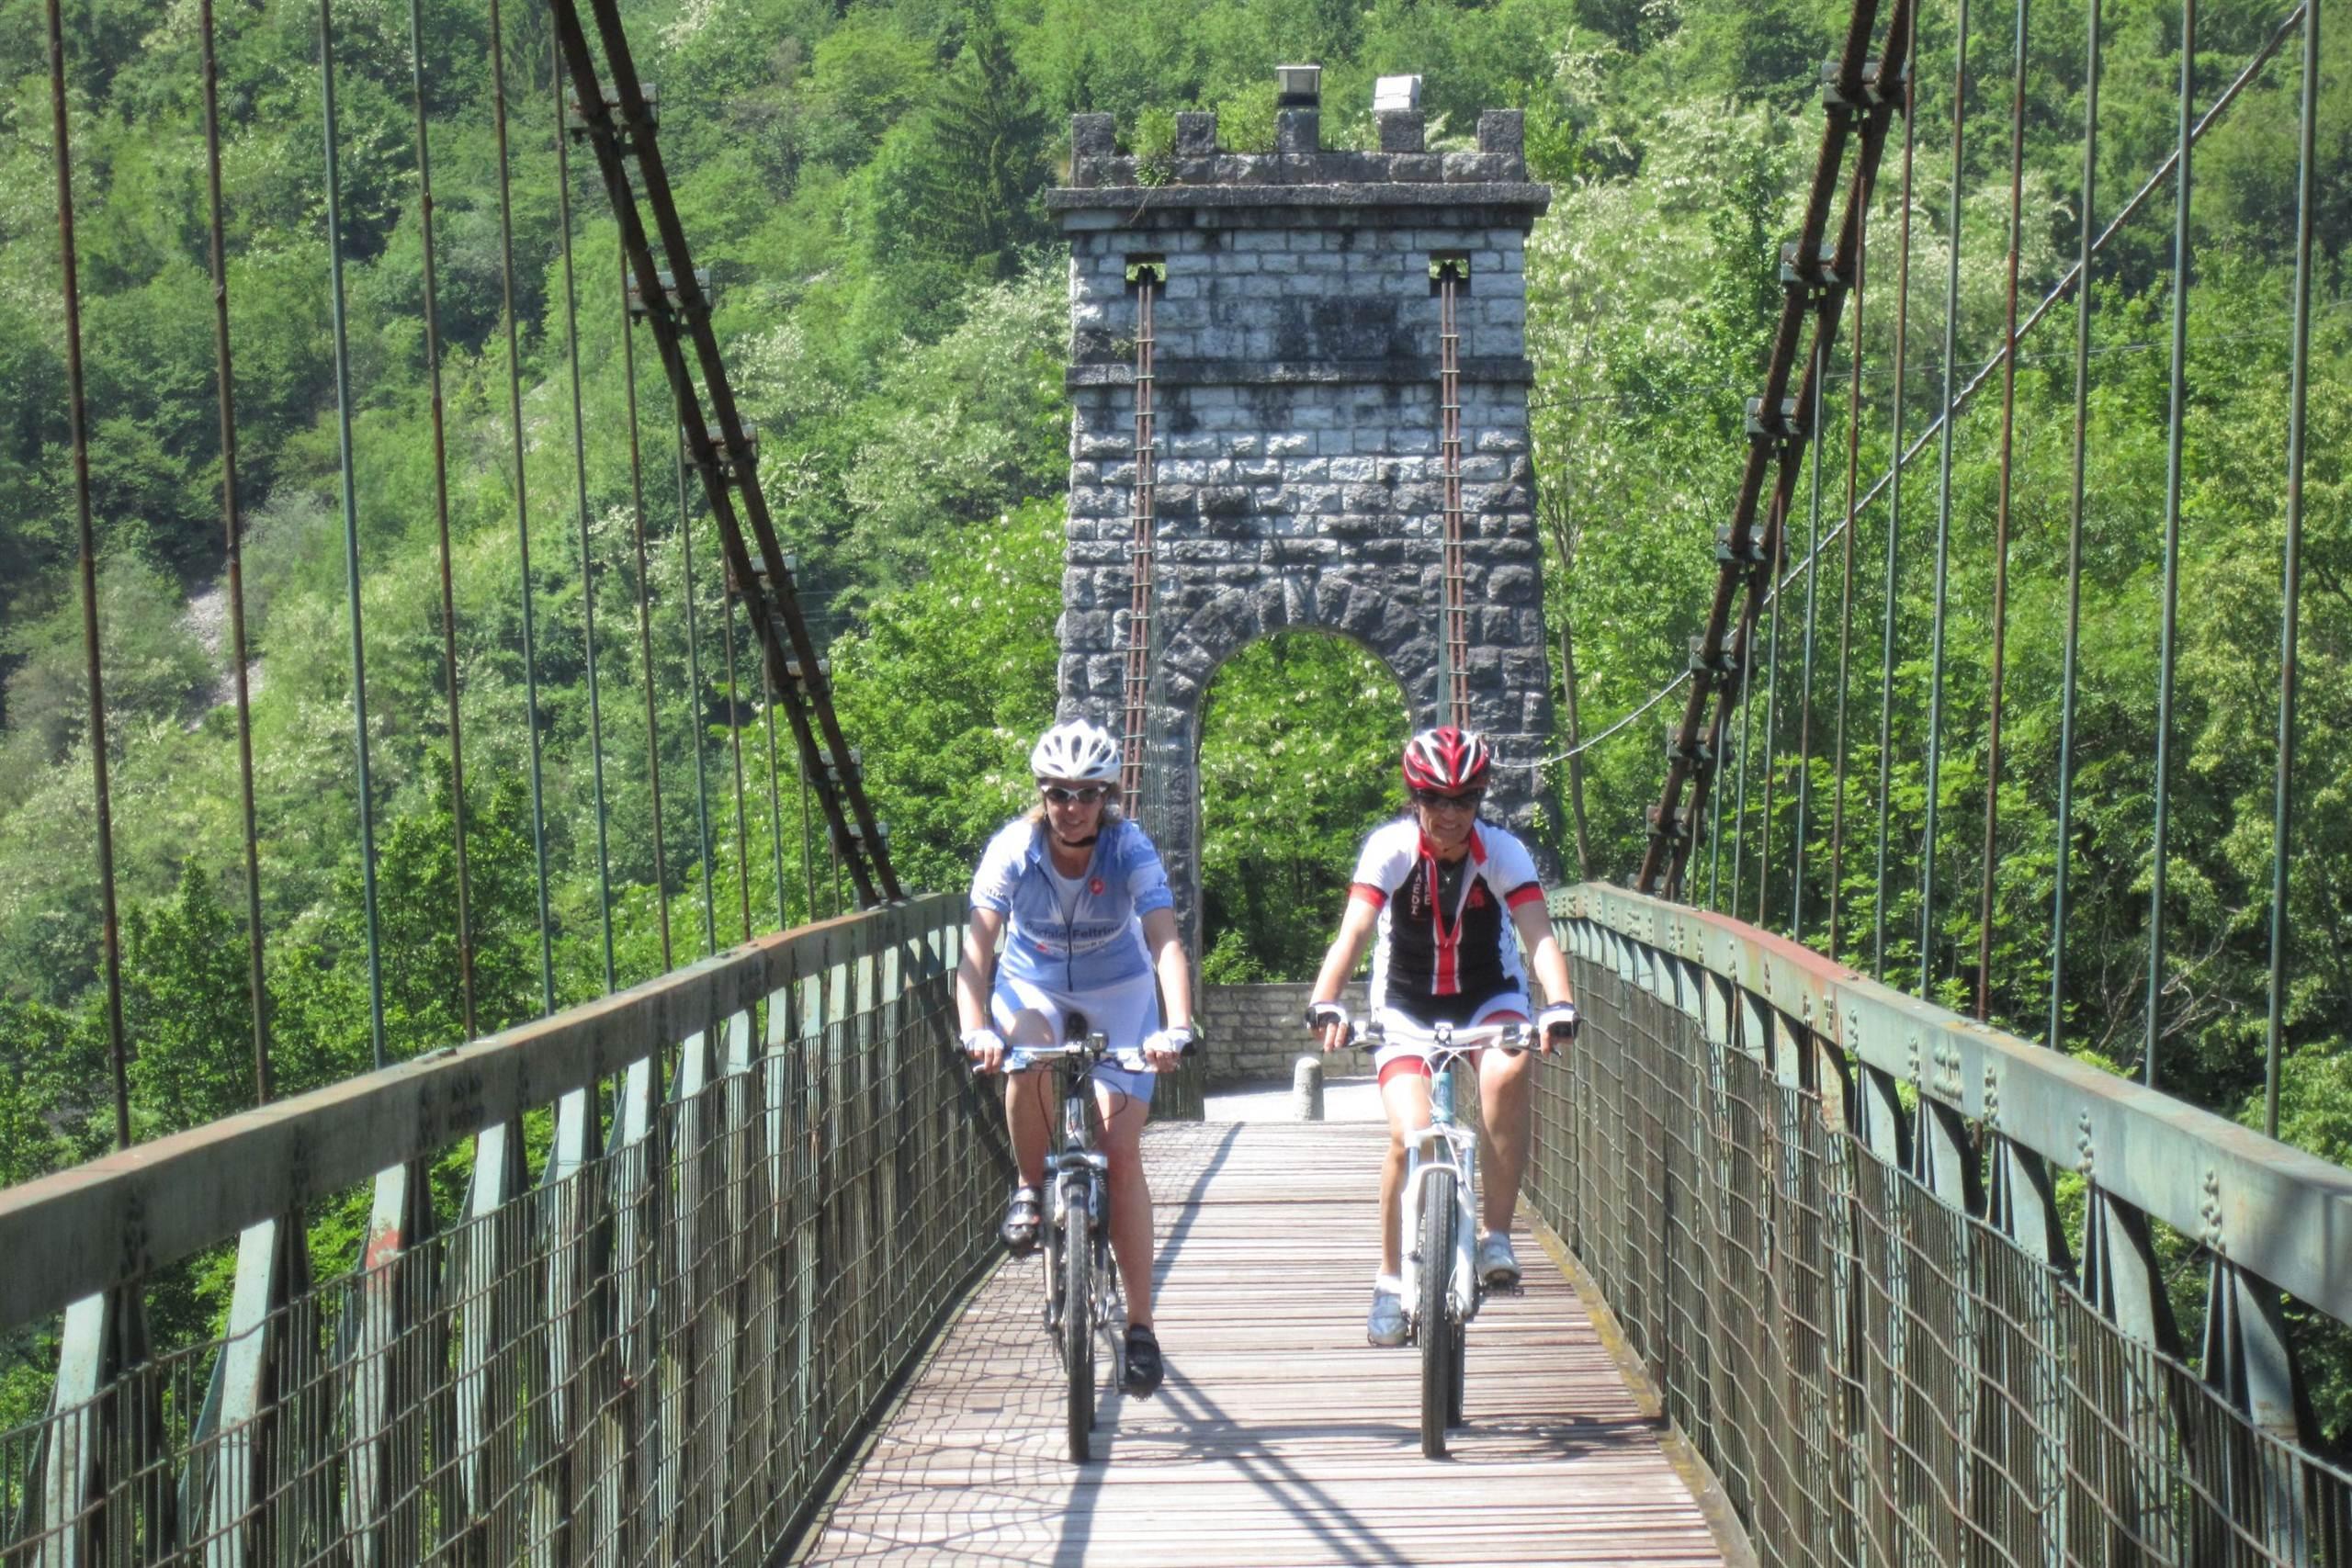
x=1279 y=1436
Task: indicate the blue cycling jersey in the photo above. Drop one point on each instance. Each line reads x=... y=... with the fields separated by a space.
x=1073 y=933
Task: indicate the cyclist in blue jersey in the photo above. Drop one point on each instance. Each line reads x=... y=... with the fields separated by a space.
x=1081 y=899
x=1451 y=899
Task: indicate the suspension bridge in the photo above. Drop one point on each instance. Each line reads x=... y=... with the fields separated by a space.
x=703 y=1270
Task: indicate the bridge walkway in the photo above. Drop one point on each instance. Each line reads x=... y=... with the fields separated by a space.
x=1279 y=1436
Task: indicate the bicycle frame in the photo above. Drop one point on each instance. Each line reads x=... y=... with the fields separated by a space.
x=1444 y=1143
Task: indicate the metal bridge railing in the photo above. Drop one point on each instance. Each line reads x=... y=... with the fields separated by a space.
x=633 y=1279
x=1832 y=1221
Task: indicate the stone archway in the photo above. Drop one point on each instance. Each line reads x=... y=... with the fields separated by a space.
x=1301 y=477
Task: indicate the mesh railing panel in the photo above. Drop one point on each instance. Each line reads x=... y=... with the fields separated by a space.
x=646 y=1344
x=1875 y=1375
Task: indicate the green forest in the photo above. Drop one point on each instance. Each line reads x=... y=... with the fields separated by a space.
x=865 y=181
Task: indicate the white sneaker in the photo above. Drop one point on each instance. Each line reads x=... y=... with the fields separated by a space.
x=1386 y=1325
x=1498 y=1265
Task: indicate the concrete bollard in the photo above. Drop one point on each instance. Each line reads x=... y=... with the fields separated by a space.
x=1306 y=1089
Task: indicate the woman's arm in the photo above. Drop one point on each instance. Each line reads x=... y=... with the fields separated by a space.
x=1174 y=969
x=974 y=974
x=1533 y=919
x=1356 y=924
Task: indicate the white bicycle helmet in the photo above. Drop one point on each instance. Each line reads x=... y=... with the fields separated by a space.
x=1078 y=752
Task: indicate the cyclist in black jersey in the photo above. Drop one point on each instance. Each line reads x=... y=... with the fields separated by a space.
x=1451 y=899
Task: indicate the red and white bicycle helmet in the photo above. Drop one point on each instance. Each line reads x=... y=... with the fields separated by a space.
x=1446 y=760
x=1076 y=752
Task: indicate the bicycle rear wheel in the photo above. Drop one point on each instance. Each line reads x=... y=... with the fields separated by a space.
x=1438 y=1328
x=1077 y=1323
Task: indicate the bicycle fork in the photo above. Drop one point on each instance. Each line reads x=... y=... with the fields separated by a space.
x=1441 y=1147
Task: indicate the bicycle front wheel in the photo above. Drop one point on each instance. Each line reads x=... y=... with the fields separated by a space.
x=1438 y=1328
x=1078 y=1323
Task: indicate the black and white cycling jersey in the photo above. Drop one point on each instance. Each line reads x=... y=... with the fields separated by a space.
x=1446 y=946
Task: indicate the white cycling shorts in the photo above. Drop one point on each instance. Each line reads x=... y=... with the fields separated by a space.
x=1123 y=1012
x=1414 y=1058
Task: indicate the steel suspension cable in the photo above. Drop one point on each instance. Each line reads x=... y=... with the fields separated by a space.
x=587 y=545
x=1894 y=505
x=1814 y=281
x=521 y=499
x=2001 y=530
x=695 y=706
x=2291 y=570
x=232 y=534
x=78 y=424
x=2167 y=647
x=1943 y=511
x=645 y=613
x=2068 y=677
x=622 y=128
x=1889 y=482
x=351 y=537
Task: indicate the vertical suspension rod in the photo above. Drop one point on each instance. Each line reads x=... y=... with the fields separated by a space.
x=232 y=531
x=2167 y=648
x=1862 y=190
x=2001 y=531
x=522 y=500
x=1943 y=510
x=77 y=416
x=580 y=500
x=705 y=846
x=2062 y=855
x=1148 y=277
x=2292 y=569
x=1456 y=703
x=645 y=615
x=351 y=537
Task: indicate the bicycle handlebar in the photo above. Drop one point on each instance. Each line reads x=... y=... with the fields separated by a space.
x=1094 y=1048
x=1512 y=1038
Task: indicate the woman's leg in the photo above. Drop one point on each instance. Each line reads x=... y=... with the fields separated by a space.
x=1123 y=1120
x=1404 y=1094
x=1029 y=1097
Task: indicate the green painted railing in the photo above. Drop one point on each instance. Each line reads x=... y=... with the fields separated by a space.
x=1902 y=1277
x=634 y=1276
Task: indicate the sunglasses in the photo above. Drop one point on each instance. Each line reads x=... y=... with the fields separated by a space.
x=1061 y=795
x=1437 y=802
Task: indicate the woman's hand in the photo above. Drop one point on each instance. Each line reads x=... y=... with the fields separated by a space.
x=1330 y=1020
x=986 y=1049
x=1163 y=1048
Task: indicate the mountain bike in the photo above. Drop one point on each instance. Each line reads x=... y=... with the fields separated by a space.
x=1439 y=1215
x=1083 y=1303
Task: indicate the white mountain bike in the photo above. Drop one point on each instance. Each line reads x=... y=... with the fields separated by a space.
x=1083 y=1303
x=1439 y=1214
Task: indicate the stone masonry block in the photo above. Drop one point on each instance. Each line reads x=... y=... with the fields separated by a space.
x=1401 y=130
x=1503 y=132
x=1196 y=134
x=1093 y=136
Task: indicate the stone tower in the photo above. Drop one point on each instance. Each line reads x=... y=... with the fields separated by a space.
x=1278 y=317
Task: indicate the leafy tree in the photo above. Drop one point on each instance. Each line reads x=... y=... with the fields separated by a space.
x=1299 y=740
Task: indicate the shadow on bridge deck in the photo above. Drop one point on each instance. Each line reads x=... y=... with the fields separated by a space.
x=1280 y=1437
